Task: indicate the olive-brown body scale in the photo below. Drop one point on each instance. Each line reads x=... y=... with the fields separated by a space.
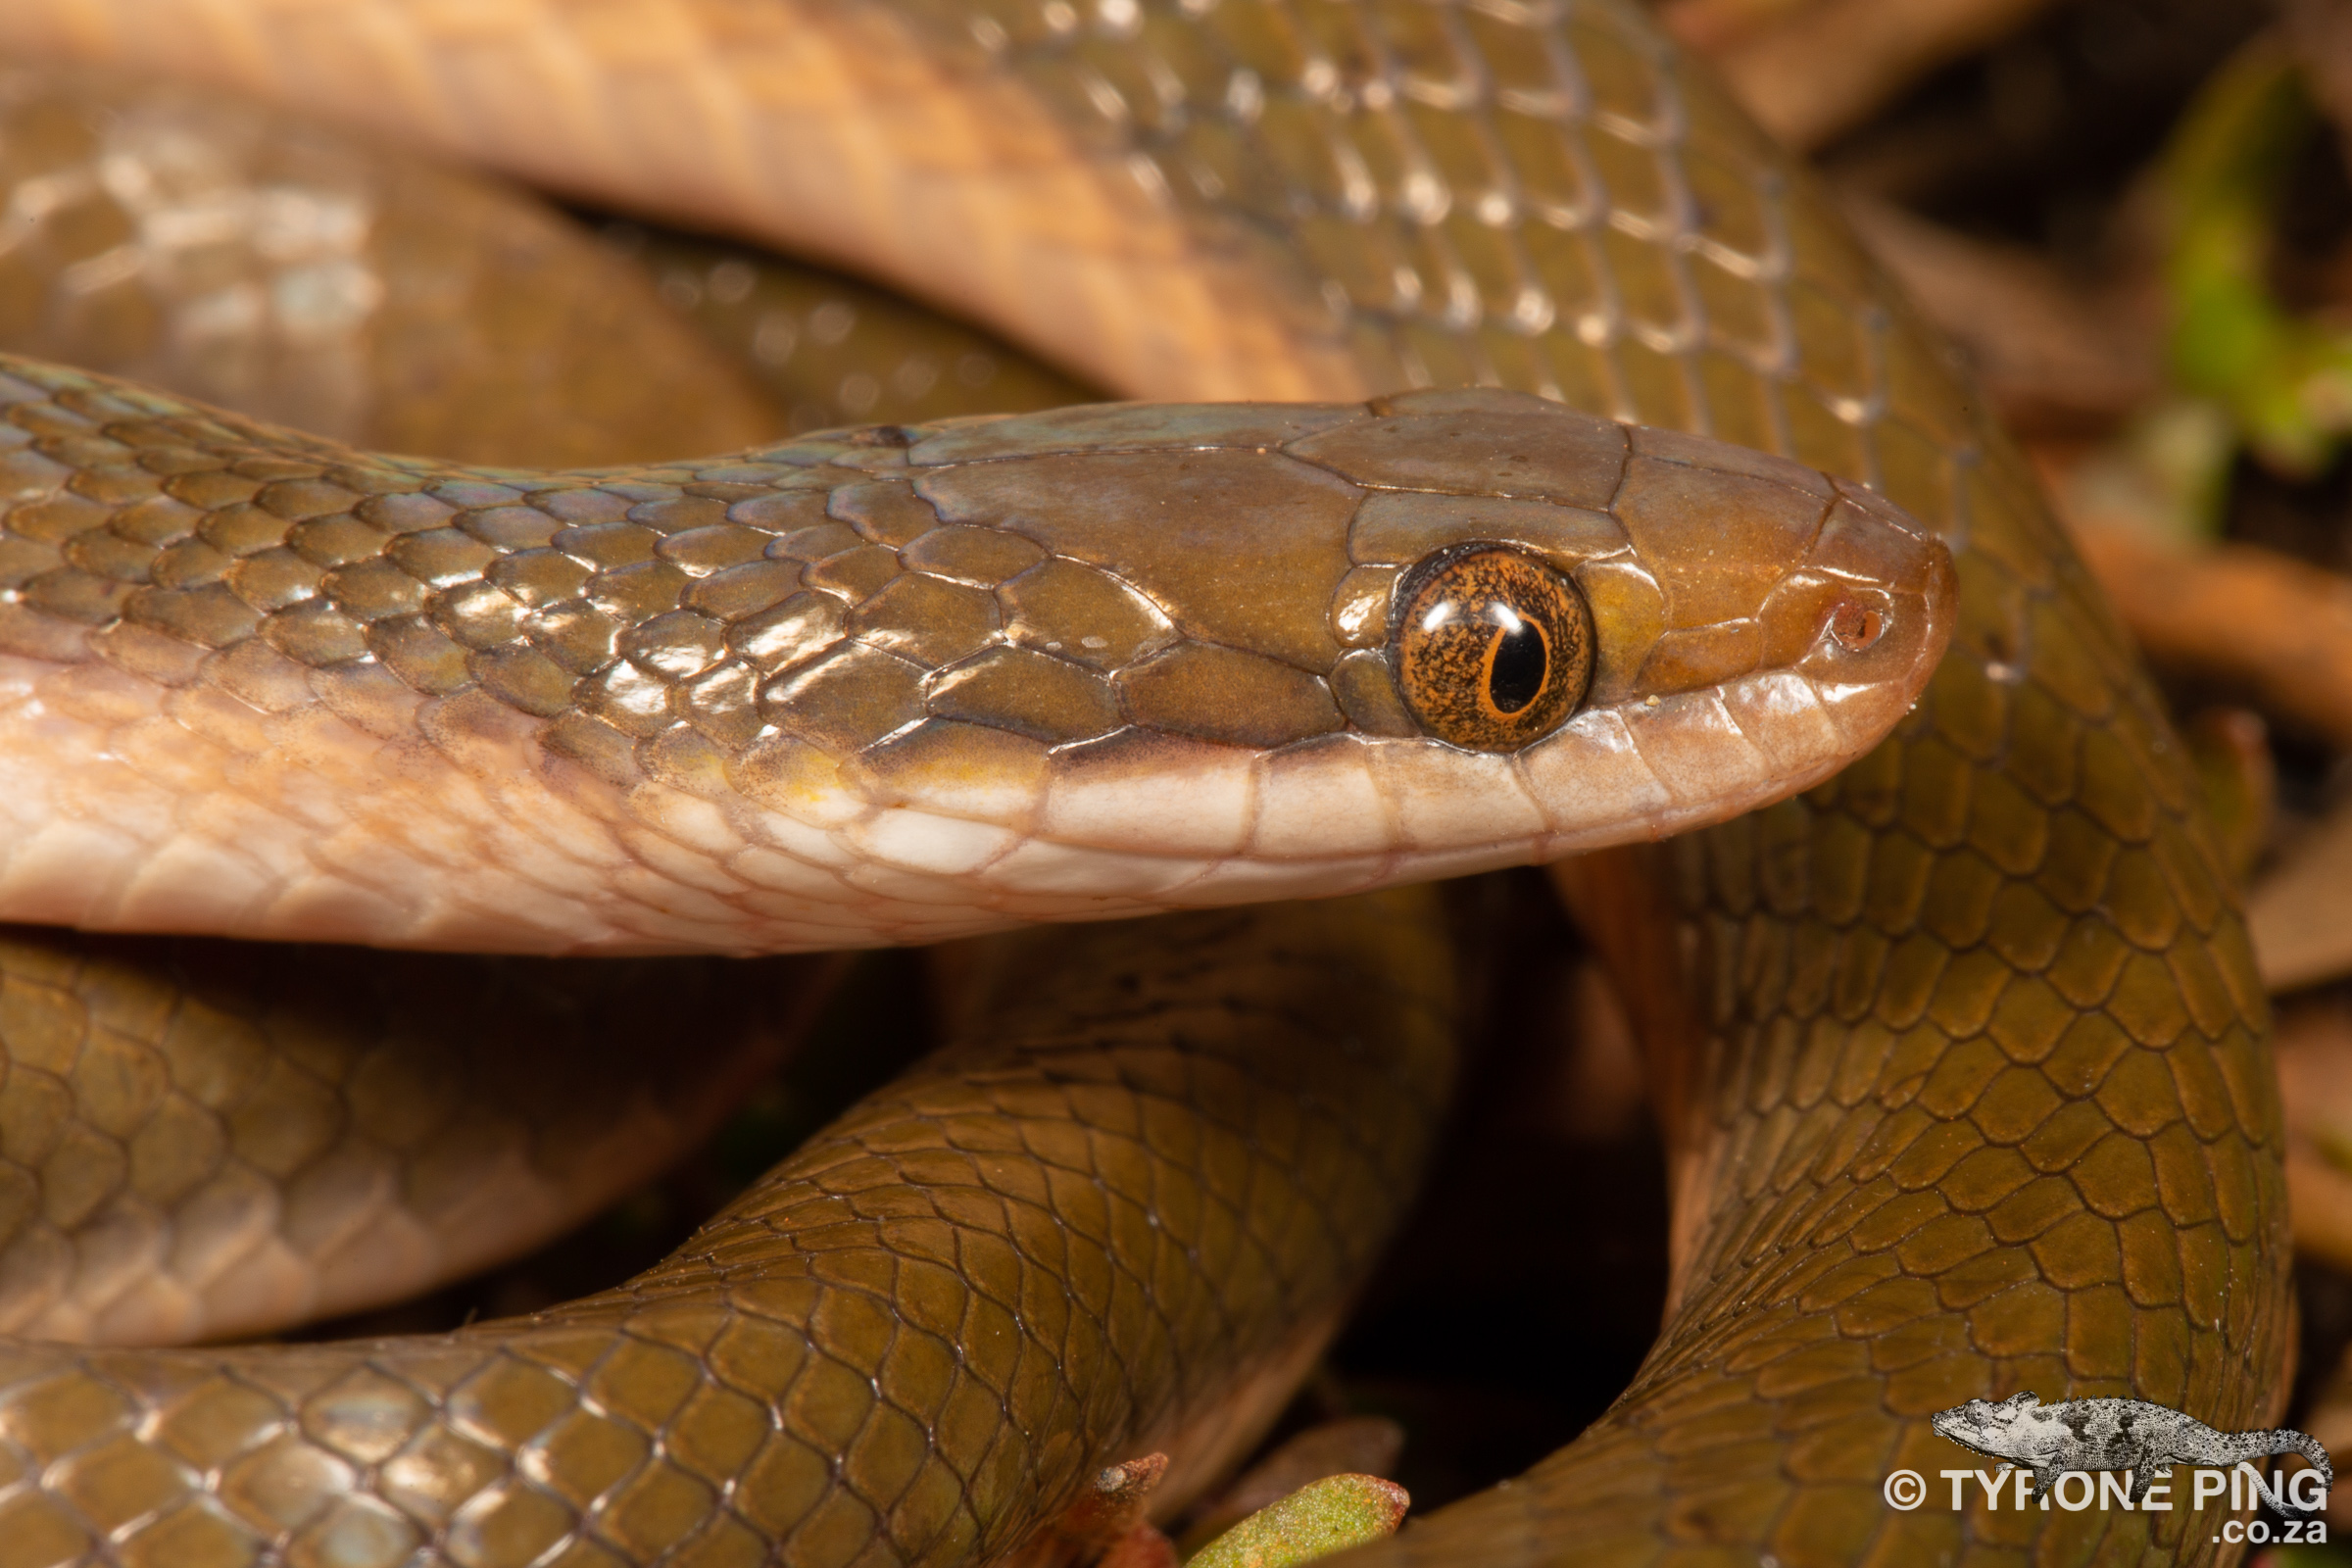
x=209 y=1139
x=196 y=241
x=1156 y=1157
x=1979 y=1097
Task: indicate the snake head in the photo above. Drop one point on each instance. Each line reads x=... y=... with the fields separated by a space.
x=910 y=682
x=1272 y=651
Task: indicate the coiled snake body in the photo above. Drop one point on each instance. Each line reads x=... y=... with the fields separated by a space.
x=1973 y=1096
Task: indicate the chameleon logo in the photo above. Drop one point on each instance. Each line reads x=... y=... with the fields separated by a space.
x=2051 y=1440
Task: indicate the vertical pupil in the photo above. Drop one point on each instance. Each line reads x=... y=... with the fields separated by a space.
x=1515 y=673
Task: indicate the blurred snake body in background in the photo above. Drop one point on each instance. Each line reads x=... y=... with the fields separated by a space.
x=1960 y=1051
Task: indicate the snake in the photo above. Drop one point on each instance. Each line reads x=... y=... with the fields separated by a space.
x=1959 y=1048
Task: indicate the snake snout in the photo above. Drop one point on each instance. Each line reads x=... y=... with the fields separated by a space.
x=1790 y=622
x=1892 y=592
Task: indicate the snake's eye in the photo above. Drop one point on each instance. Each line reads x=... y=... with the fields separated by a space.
x=1493 y=648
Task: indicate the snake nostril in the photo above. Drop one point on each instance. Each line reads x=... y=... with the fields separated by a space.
x=1855 y=626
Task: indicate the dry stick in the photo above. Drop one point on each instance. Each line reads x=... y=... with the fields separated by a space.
x=1829 y=66
x=2314 y=1050
x=2298 y=916
x=2052 y=355
x=2247 y=616
x=2320 y=32
x=2319 y=1202
x=1714 y=28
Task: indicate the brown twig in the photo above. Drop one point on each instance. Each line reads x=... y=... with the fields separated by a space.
x=2300 y=915
x=2250 y=617
x=1716 y=27
x=2053 y=356
x=2320 y=33
x=1825 y=67
x=2313 y=1050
